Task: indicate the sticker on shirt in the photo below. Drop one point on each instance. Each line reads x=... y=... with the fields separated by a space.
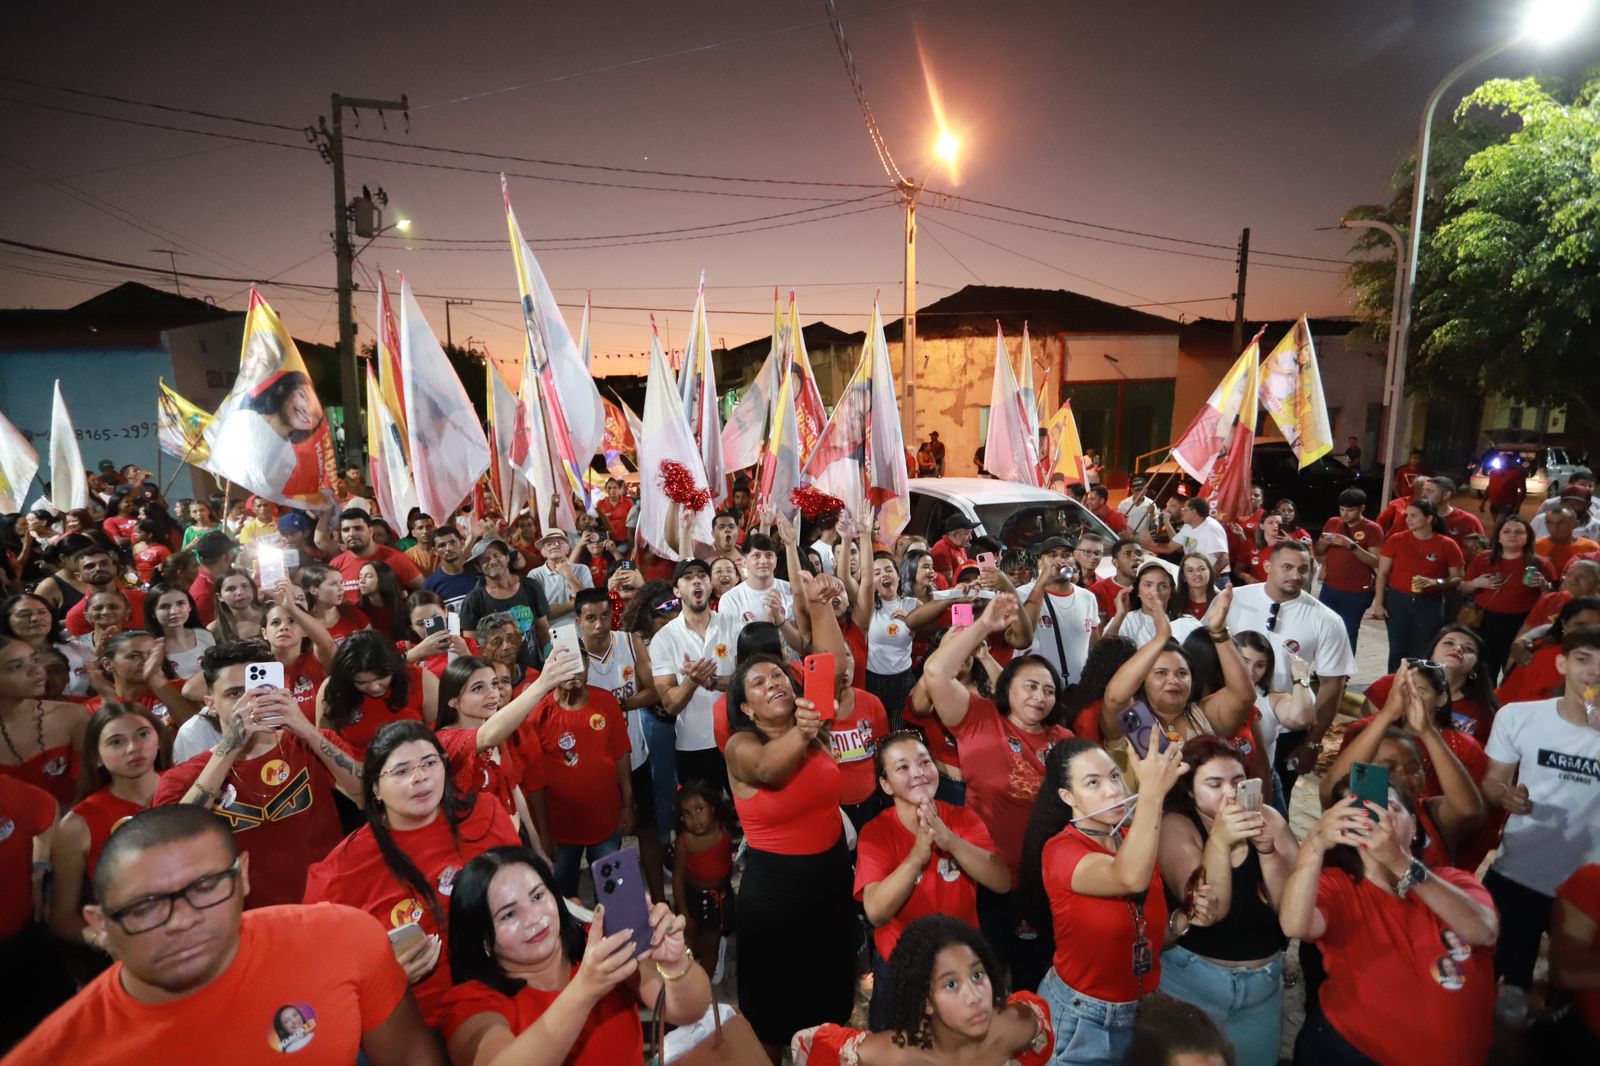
x=949 y=869
x=275 y=772
x=55 y=767
x=627 y=673
x=893 y=629
x=853 y=744
x=1457 y=949
x=1449 y=974
x=1462 y=723
x=7 y=827
x=1015 y=745
x=447 y=880
x=597 y=722
x=568 y=745
x=405 y=912
x=722 y=651
x=294 y=1025
x=1292 y=645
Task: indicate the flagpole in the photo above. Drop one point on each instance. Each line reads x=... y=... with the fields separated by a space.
x=181 y=463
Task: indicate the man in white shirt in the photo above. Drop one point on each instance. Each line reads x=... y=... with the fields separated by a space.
x=559 y=579
x=1065 y=617
x=691 y=659
x=1295 y=621
x=1139 y=509
x=1203 y=535
x=1544 y=769
x=747 y=601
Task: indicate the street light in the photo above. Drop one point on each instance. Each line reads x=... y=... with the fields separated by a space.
x=403 y=225
x=1546 y=21
x=945 y=149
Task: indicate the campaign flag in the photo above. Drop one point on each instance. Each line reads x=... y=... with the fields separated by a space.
x=561 y=377
x=746 y=429
x=550 y=491
x=1208 y=435
x=392 y=486
x=584 y=351
x=270 y=435
x=1291 y=391
x=18 y=465
x=665 y=438
x=505 y=480
x=1011 y=449
x=1228 y=487
x=181 y=426
x=1067 y=446
x=697 y=389
x=390 y=384
x=780 y=458
x=441 y=424
x=69 y=482
x=1031 y=400
x=810 y=415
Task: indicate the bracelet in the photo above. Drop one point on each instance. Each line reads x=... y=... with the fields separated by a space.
x=42 y=866
x=1220 y=638
x=688 y=955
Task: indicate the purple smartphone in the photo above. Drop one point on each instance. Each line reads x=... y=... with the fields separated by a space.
x=1139 y=725
x=619 y=885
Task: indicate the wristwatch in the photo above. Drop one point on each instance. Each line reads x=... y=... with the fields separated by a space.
x=1415 y=875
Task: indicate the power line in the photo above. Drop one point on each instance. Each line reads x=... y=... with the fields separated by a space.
x=879 y=144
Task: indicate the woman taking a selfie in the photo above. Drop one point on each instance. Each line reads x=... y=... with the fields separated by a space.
x=533 y=985
x=369 y=686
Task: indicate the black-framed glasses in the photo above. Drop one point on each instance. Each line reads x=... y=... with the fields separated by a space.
x=152 y=912
x=1272 y=616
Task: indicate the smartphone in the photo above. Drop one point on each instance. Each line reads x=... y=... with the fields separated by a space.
x=1139 y=724
x=1249 y=794
x=819 y=670
x=291 y=558
x=404 y=937
x=619 y=887
x=985 y=560
x=452 y=622
x=263 y=675
x=565 y=637
x=436 y=624
x=269 y=566
x=1370 y=784
x=961 y=614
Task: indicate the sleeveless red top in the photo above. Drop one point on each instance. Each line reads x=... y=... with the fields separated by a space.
x=102 y=812
x=799 y=817
x=55 y=770
x=711 y=866
x=375 y=713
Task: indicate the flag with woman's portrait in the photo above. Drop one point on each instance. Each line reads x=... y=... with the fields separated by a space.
x=270 y=436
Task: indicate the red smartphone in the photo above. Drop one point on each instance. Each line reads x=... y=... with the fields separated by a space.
x=819 y=684
x=619 y=884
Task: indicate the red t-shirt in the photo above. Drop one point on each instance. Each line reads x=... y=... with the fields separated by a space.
x=331 y=964
x=1506 y=486
x=1466 y=715
x=148 y=558
x=1420 y=558
x=856 y=638
x=1513 y=597
x=1115 y=520
x=1547 y=607
x=1095 y=934
x=102 y=812
x=25 y=812
x=947 y=558
x=1468 y=751
x=78 y=625
x=1460 y=524
x=855 y=747
x=580 y=749
x=1395 y=971
x=616 y=516
x=1105 y=594
x=203 y=590
x=611 y=1034
x=1392 y=519
x=499 y=771
x=941 y=745
x=1003 y=766
x=280 y=807
x=355 y=875
x=1582 y=890
x=1346 y=573
x=350 y=620
x=118 y=528
x=942 y=887
x=375 y=712
x=303 y=678
x=349 y=566
x=1539 y=680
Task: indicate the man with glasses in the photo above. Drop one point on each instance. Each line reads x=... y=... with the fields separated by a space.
x=270 y=778
x=1296 y=623
x=1086 y=556
x=195 y=972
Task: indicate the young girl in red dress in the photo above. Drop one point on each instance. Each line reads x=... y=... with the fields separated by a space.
x=702 y=870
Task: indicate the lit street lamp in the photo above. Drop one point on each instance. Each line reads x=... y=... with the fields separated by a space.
x=946 y=149
x=1546 y=22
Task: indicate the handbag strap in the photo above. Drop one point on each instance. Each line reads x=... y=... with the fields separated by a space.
x=658 y=1023
x=1055 y=631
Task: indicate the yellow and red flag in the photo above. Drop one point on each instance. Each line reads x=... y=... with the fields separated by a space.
x=1291 y=391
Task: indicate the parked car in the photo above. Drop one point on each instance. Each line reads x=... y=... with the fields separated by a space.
x=1314 y=490
x=1548 y=467
x=1018 y=516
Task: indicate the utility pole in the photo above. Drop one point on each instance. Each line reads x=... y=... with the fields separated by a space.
x=449 y=303
x=909 y=191
x=171 y=254
x=1238 y=297
x=332 y=149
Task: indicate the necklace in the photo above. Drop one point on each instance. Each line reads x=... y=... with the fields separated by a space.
x=38 y=722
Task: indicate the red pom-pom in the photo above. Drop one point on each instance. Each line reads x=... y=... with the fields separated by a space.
x=676 y=481
x=814 y=503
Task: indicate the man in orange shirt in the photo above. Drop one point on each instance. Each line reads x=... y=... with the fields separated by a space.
x=197 y=977
x=1560 y=546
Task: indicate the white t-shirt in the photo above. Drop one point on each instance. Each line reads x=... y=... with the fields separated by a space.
x=200 y=733
x=187 y=663
x=556 y=589
x=1141 y=628
x=889 y=637
x=824 y=551
x=1076 y=617
x=1559 y=763
x=1305 y=626
x=1208 y=538
x=667 y=649
x=745 y=604
x=1139 y=515
x=1271 y=727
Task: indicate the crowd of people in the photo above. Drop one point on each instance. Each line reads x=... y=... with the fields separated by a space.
x=337 y=784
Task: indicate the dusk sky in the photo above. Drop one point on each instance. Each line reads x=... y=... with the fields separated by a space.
x=1173 y=119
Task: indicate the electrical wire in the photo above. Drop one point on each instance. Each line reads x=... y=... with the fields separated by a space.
x=879 y=144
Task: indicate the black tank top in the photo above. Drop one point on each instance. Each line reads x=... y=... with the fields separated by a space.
x=1250 y=930
x=69 y=598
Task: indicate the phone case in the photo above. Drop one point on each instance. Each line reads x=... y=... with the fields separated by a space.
x=1249 y=794
x=819 y=683
x=961 y=614
x=1370 y=783
x=402 y=937
x=1138 y=725
x=619 y=887
x=436 y=624
x=565 y=637
x=263 y=675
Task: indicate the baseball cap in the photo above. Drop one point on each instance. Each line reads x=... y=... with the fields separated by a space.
x=957 y=522
x=1052 y=544
x=485 y=544
x=294 y=522
x=1136 y=482
x=686 y=565
x=107 y=464
x=212 y=546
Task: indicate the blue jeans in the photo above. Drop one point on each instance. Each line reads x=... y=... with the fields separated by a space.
x=1413 y=623
x=569 y=861
x=663 y=740
x=1089 y=1031
x=1349 y=606
x=1248 y=1003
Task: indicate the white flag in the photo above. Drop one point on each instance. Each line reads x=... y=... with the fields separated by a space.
x=444 y=431
x=69 y=483
x=697 y=387
x=666 y=438
x=1011 y=449
x=18 y=465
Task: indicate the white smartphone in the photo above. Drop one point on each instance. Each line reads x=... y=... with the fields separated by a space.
x=947 y=594
x=263 y=675
x=452 y=622
x=402 y=937
x=269 y=566
x=1249 y=794
x=565 y=637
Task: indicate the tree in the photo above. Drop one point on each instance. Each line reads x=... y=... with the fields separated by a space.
x=1508 y=280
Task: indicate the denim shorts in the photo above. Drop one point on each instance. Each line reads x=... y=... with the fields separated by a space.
x=1089 y=1031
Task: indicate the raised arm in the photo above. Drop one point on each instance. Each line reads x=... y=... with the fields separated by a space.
x=1124 y=686
x=771 y=765
x=940 y=672
x=1129 y=871
x=561 y=667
